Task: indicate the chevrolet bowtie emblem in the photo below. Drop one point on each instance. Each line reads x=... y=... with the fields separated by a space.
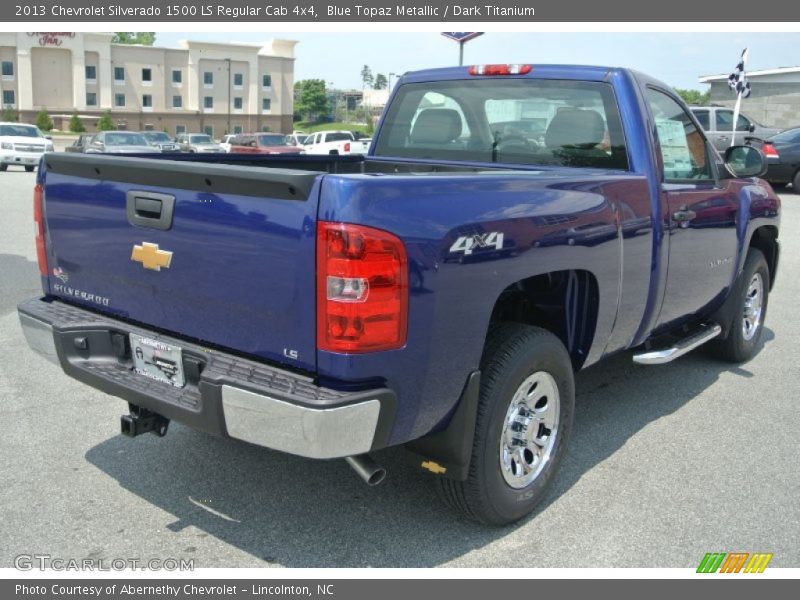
x=151 y=257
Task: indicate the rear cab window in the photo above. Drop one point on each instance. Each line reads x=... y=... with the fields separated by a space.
x=512 y=121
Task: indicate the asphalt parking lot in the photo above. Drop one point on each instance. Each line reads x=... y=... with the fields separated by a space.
x=666 y=463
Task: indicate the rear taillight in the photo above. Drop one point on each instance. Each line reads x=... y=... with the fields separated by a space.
x=38 y=218
x=769 y=150
x=362 y=289
x=490 y=70
x=347 y=146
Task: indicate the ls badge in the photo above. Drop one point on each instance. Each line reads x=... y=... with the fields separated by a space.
x=151 y=256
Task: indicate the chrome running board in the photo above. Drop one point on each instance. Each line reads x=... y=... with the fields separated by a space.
x=687 y=344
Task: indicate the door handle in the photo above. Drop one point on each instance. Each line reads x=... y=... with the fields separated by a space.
x=150 y=209
x=684 y=215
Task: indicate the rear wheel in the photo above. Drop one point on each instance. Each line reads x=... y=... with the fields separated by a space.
x=748 y=322
x=3 y=167
x=524 y=420
x=29 y=169
x=796 y=183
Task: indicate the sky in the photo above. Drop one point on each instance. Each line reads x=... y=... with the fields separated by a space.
x=676 y=58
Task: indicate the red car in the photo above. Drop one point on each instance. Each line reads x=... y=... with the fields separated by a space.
x=263 y=143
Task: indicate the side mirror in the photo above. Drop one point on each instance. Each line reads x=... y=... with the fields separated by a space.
x=48 y=137
x=745 y=161
x=752 y=128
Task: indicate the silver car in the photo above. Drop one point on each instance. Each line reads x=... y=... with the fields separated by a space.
x=198 y=142
x=119 y=142
x=717 y=121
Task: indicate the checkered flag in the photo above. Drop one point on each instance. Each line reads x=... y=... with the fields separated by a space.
x=737 y=80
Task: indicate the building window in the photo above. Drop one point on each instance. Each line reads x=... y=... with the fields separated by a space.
x=147 y=76
x=266 y=81
x=177 y=77
x=91 y=98
x=177 y=102
x=237 y=129
x=237 y=103
x=119 y=99
x=208 y=102
x=8 y=69
x=8 y=98
x=209 y=130
x=179 y=129
x=208 y=79
x=119 y=75
x=266 y=105
x=147 y=102
x=91 y=74
x=238 y=80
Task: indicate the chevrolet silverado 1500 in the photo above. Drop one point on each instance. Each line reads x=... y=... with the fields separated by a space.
x=438 y=293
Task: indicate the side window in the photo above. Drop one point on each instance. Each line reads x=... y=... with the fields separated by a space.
x=742 y=124
x=702 y=116
x=724 y=120
x=683 y=148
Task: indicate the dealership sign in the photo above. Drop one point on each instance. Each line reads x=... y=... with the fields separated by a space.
x=51 y=38
x=461 y=36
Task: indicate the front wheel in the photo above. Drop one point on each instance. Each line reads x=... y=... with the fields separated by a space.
x=3 y=167
x=796 y=183
x=29 y=169
x=524 y=420
x=752 y=294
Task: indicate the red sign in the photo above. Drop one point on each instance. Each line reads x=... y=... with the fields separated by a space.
x=51 y=38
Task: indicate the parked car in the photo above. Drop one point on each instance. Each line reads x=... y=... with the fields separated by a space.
x=80 y=144
x=161 y=140
x=22 y=145
x=334 y=142
x=717 y=121
x=297 y=138
x=439 y=293
x=264 y=143
x=119 y=142
x=225 y=143
x=198 y=142
x=783 y=159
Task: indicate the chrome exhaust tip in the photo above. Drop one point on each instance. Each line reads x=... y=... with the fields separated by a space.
x=367 y=469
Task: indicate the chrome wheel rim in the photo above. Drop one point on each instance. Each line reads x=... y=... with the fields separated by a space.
x=530 y=430
x=753 y=307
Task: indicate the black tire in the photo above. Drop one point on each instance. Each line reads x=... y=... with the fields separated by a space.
x=29 y=169
x=513 y=353
x=737 y=347
x=3 y=167
x=778 y=186
x=796 y=183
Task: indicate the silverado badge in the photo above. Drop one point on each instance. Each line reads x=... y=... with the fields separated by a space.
x=151 y=256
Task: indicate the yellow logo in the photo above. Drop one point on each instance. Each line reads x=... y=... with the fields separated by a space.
x=433 y=467
x=151 y=256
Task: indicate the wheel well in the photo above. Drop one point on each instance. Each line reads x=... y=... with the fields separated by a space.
x=764 y=238
x=563 y=302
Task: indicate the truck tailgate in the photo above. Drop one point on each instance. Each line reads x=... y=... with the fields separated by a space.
x=234 y=267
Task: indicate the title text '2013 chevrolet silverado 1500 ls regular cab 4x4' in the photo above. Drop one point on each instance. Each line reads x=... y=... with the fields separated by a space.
x=438 y=293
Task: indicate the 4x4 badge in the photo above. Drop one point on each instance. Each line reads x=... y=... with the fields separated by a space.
x=151 y=256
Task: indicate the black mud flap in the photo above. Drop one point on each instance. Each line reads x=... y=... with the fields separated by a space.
x=447 y=453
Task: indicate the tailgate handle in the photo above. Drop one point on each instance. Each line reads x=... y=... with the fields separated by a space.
x=150 y=209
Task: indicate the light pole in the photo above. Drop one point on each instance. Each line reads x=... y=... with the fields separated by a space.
x=228 y=61
x=390 y=80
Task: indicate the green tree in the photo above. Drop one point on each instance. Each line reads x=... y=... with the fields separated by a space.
x=146 y=38
x=311 y=100
x=43 y=121
x=367 y=78
x=75 y=123
x=381 y=83
x=9 y=115
x=694 y=97
x=106 y=122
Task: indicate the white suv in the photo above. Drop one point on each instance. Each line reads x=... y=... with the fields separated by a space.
x=22 y=145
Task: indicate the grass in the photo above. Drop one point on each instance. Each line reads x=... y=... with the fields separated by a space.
x=312 y=128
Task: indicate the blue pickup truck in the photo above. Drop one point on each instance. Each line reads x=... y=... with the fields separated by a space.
x=511 y=225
